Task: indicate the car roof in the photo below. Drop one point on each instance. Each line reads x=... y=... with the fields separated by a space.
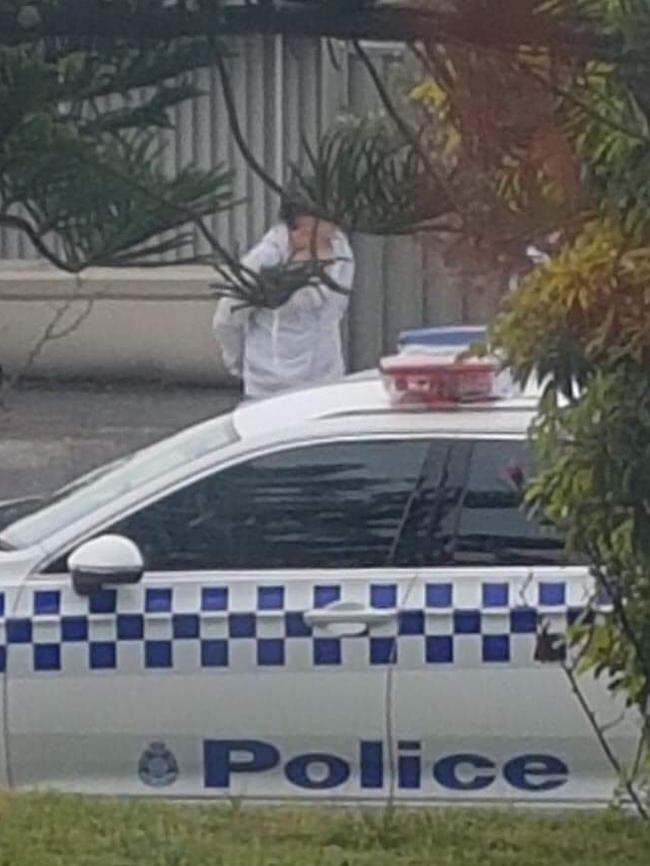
x=362 y=401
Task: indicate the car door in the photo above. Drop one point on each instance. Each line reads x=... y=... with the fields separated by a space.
x=5 y=604
x=483 y=707
x=253 y=657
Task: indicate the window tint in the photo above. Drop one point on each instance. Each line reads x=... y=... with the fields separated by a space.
x=433 y=514
x=352 y=505
x=468 y=510
x=327 y=506
x=494 y=528
x=107 y=483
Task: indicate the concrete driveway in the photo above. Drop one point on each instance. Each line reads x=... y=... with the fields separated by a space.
x=52 y=432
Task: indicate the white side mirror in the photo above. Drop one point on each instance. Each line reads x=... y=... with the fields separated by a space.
x=109 y=559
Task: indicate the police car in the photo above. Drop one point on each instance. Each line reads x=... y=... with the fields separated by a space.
x=333 y=594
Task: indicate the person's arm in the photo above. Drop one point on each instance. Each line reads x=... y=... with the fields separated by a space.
x=229 y=328
x=272 y=249
x=230 y=319
x=320 y=298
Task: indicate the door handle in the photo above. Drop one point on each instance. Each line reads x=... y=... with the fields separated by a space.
x=368 y=616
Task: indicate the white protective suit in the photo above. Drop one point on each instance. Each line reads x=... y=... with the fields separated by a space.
x=295 y=345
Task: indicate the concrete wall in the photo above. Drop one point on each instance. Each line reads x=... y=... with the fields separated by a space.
x=143 y=323
x=136 y=323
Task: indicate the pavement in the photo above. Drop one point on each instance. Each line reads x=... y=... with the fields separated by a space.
x=52 y=432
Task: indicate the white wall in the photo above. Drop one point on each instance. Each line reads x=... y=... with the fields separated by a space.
x=142 y=323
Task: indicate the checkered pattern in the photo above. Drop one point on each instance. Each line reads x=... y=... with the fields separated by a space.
x=188 y=628
x=3 y=637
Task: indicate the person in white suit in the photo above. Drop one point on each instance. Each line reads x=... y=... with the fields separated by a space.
x=297 y=343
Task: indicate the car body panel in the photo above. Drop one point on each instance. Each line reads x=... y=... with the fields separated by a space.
x=181 y=660
x=497 y=701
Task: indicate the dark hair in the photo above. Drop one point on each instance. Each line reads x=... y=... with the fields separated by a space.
x=294 y=206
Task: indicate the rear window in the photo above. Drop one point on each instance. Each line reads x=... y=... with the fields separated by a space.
x=470 y=511
x=495 y=528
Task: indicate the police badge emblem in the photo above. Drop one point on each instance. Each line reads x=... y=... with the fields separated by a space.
x=157 y=766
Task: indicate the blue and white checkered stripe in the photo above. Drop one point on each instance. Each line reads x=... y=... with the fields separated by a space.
x=3 y=634
x=187 y=628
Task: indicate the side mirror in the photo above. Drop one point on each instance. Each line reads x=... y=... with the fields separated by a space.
x=109 y=559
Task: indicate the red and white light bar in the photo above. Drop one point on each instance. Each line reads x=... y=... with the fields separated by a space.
x=432 y=381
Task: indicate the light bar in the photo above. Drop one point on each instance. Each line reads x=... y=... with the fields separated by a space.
x=413 y=379
x=443 y=341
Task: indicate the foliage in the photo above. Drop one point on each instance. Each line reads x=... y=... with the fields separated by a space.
x=273 y=286
x=364 y=176
x=367 y=176
x=581 y=323
x=578 y=315
x=71 y=831
x=79 y=160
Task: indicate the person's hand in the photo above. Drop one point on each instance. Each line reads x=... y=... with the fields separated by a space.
x=311 y=238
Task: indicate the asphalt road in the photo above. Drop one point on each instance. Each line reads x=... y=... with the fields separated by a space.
x=52 y=432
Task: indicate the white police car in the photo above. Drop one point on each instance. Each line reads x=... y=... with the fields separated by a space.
x=323 y=595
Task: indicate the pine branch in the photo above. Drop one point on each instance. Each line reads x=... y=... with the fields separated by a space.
x=405 y=129
x=23 y=225
x=235 y=128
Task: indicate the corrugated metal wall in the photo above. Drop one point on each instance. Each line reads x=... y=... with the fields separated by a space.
x=286 y=89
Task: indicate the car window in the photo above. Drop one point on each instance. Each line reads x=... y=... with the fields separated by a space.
x=335 y=505
x=432 y=518
x=360 y=504
x=44 y=517
x=494 y=527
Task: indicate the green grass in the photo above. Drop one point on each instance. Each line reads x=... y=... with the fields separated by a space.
x=48 y=830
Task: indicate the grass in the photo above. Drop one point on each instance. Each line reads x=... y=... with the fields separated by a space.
x=50 y=830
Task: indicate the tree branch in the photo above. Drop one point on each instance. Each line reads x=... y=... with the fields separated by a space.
x=377 y=21
x=602 y=740
x=621 y=613
x=407 y=133
x=23 y=225
x=235 y=128
x=389 y=106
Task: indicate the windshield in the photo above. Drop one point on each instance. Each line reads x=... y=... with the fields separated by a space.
x=31 y=521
